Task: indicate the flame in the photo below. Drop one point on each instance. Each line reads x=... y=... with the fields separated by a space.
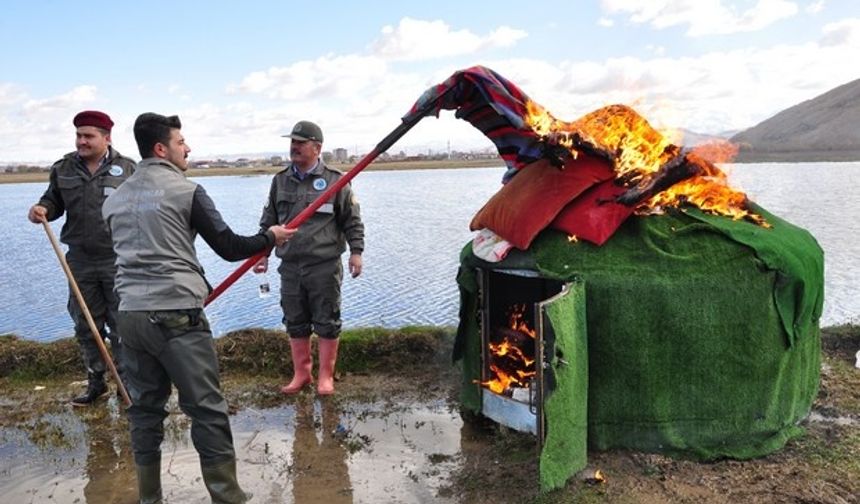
x=517 y=322
x=637 y=150
x=594 y=478
x=710 y=192
x=635 y=147
x=506 y=348
x=519 y=368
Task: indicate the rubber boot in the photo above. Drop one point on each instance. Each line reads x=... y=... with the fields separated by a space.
x=222 y=484
x=149 y=484
x=301 y=354
x=96 y=387
x=328 y=358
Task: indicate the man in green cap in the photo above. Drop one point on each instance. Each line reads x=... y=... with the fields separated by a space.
x=311 y=269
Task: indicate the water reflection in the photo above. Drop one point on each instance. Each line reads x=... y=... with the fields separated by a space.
x=110 y=474
x=320 y=471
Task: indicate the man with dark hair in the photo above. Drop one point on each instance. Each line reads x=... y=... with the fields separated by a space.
x=79 y=184
x=154 y=218
x=311 y=269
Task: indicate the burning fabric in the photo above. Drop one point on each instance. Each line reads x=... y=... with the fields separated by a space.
x=645 y=172
x=701 y=333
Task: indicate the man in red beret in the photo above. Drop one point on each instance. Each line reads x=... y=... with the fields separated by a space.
x=79 y=184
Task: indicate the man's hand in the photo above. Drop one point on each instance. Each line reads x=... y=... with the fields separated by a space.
x=37 y=214
x=282 y=234
x=262 y=265
x=355 y=264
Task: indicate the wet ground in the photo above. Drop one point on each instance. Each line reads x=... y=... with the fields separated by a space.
x=357 y=448
x=399 y=438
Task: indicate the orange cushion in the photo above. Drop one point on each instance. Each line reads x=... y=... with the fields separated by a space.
x=537 y=193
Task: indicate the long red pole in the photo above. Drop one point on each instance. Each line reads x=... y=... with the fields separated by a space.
x=381 y=147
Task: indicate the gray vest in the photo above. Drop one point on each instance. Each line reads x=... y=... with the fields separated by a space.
x=150 y=223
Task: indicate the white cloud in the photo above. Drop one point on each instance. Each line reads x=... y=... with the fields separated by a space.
x=415 y=39
x=841 y=33
x=605 y=22
x=702 y=17
x=327 y=76
x=10 y=94
x=76 y=97
x=709 y=93
x=656 y=49
x=815 y=7
x=39 y=129
x=358 y=98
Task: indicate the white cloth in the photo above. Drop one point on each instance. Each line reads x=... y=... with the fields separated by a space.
x=489 y=246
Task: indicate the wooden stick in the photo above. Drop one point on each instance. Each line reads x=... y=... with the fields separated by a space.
x=80 y=297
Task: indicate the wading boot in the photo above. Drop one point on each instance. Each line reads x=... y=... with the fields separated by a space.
x=96 y=387
x=301 y=354
x=149 y=484
x=222 y=484
x=328 y=358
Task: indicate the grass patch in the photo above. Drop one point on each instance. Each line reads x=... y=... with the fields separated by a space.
x=24 y=360
x=264 y=351
x=255 y=351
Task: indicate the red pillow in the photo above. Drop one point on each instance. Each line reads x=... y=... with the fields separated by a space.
x=595 y=215
x=537 y=193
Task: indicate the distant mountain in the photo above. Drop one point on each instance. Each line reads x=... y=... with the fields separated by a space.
x=825 y=128
x=691 y=138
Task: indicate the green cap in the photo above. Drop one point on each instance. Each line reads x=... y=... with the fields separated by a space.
x=306 y=130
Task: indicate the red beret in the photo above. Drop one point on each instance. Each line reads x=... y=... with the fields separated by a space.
x=93 y=118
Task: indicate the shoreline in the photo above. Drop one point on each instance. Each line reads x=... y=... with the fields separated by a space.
x=42 y=176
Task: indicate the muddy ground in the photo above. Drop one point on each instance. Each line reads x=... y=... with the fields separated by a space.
x=392 y=433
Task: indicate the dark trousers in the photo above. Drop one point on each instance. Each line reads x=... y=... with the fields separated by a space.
x=95 y=280
x=174 y=347
x=310 y=298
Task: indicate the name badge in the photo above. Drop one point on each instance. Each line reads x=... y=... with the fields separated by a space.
x=326 y=208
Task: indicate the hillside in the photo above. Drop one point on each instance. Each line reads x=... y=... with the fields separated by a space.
x=824 y=128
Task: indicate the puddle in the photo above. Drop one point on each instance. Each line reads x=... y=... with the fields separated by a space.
x=306 y=450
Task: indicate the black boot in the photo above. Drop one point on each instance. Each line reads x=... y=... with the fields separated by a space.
x=149 y=484
x=221 y=482
x=96 y=387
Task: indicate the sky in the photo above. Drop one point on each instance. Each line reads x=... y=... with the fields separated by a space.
x=240 y=74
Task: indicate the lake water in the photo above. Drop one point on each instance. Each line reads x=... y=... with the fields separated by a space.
x=417 y=222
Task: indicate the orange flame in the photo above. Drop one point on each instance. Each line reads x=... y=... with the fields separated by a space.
x=710 y=192
x=635 y=146
x=517 y=322
x=519 y=367
x=637 y=150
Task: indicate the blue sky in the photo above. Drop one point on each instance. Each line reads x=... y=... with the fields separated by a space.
x=239 y=74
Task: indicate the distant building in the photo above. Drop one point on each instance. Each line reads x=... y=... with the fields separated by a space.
x=340 y=155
